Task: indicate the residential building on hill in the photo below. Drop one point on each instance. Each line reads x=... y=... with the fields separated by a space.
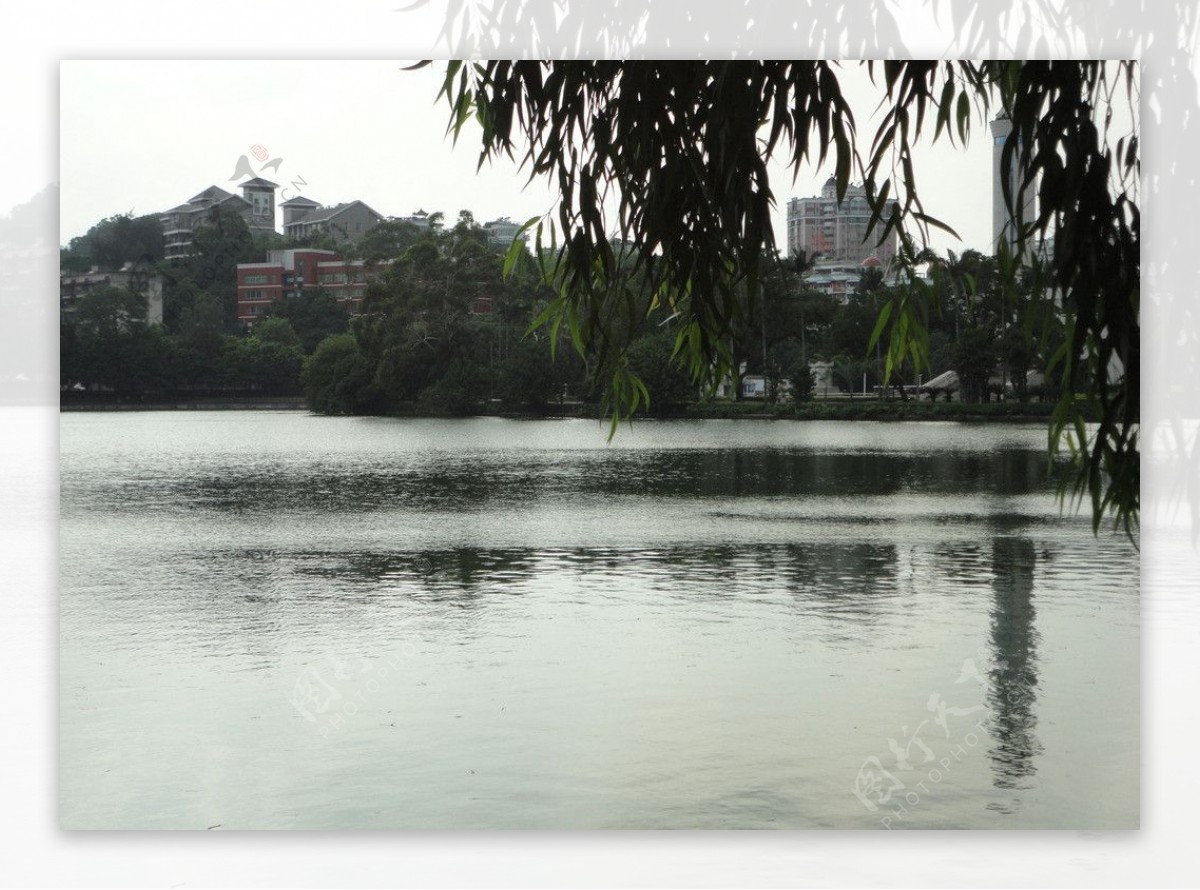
x=501 y=231
x=295 y=208
x=72 y=287
x=260 y=194
x=420 y=219
x=303 y=218
x=256 y=205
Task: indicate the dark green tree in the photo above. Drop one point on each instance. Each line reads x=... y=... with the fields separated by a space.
x=669 y=384
x=107 y=311
x=251 y=365
x=115 y=241
x=338 y=379
x=110 y=345
x=788 y=361
x=276 y=330
x=420 y=326
x=387 y=241
x=199 y=327
x=975 y=359
x=458 y=388
x=529 y=376
x=72 y=369
x=218 y=245
x=1016 y=356
x=313 y=316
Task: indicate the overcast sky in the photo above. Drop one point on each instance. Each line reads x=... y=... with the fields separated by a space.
x=144 y=136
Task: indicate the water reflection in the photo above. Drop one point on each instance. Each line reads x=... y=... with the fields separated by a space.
x=1012 y=697
x=838 y=573
x=478 y=482
x=575 y=636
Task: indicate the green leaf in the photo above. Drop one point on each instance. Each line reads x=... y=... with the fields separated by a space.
x=884 y=314
x=963 y=116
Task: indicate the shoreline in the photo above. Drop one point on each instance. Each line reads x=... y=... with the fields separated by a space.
x=278 y=404
x=870 y=410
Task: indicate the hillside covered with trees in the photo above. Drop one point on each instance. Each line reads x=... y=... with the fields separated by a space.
x=449 y=326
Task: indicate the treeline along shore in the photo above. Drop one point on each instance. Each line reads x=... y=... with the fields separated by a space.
x=452 y=324
x=840 y=409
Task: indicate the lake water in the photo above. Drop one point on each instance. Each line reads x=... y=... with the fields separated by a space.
x=274 y=620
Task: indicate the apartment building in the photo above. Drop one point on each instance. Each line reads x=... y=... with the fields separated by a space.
x=304 y=217
x=502 y=231
x=837 y=231
x=256 y=205
x=72 y=287
x=288 y=274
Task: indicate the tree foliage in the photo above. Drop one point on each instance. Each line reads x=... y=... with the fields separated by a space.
x=107 y=345
x=276 y=330
x=337 y=377
x=108 y=342
x=441 y=331
x=386 y=241
x=671 y=158
x=313 y=316
x=218 y=245
x=106 y=311
x=975 y=358
x=115 y=241
x=670 y=386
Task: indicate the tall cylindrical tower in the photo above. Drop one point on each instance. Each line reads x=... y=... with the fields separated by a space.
x=1004 y=227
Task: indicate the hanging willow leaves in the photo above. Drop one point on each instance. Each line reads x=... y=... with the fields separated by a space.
x=665 y=207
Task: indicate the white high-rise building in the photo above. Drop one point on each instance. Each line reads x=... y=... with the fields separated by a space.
x=821 y=226
x=1004 y=227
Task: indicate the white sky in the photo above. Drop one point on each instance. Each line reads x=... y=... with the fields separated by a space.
x=144 y=136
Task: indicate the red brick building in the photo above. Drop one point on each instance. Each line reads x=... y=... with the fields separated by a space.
x=289 y=273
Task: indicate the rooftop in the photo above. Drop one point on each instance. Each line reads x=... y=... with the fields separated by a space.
x=259 y=183
x=300 y=201
x=212 y=193
x=321 y=214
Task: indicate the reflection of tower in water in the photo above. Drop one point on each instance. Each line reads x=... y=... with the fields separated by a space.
x=1012 y=698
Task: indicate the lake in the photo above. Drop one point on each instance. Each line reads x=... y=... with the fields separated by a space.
x=276 y=620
